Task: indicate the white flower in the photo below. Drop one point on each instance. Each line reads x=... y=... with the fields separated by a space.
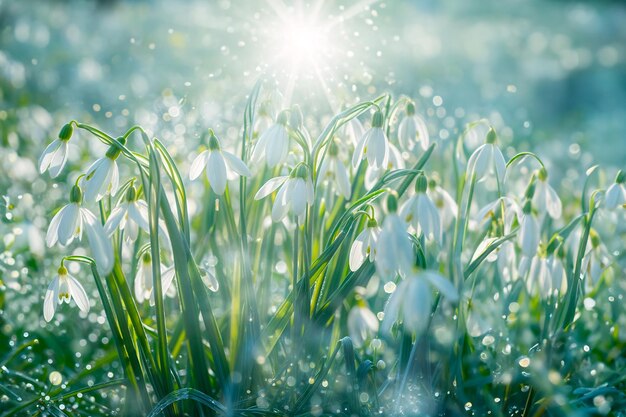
x=547 y=275
x=103 y=176
x=295 y=193
x=332 y=170
x=263 y=120
x=395 y=161
x=373 y=145
x=144 y=279
x=219 y=165
x=354 y=130
x=362 y=324
x=364 y=245
x=616 y=193
x=528 y=239
x=273 y=145
x=487 y=159
x=63 y=288
x=412 y=129
x=512 y=211
x=421 y=213
x=507 y=261
x=394 y=249
x=54 y=157
x=545 y=199
x=412 y=300
x=68 y=224
x=445 y=204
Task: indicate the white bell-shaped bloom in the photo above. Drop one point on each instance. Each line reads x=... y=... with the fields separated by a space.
x=512 y=211
x=373 y=145
x=546 y=276
x=362 y=324
x=54 y=157
x=528 y=239
x=421 y=213
x=395 y=161
x=295 y=193
x=365 y=245
x=486 y=160
x=273 y=145
x=445 y=204
x=394 y=249
x=333 y=171
x=615 y=195
x=144 y=279
x=219 y=166
x=413 y=130
x=545 y=199
x=103 y=177
x=69 y=223
x=412 y=300
x=62 y=289
x=263 y=119
x=507 y=262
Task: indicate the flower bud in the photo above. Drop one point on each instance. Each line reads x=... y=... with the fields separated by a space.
x=114 y=150
x=333 y=149
x=214 y=143
x=421 y=183
x=297 y=119
x=527 y=207
x=491 y=136
x=620 y=178
x=62 y=270
x=542 y=174
x=76 y=194
x=131 y=194
x=372 y=222
x=283 y=118
x=392 y=203
x=410 y=108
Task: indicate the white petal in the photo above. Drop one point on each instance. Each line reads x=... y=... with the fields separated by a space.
x=59 y=158
x=52 y=235
x=198 y=165
x=50 y=300
x=417 y=305
x=236 y=164
x=68 y=224
x=114 y=183
x=94 y=182
x=277 y=145
x=139 y=285
x=500 y=164
x=138 y=212
x=357 y=156
x=377 y=150
x=478 y=163
x=216 y=172
x=167 y=277
x=422 y=132
x=553 y=203
x=358 y=251
x=281 y=204
x=269 y=187
x=407 y=133
x=115 y=219
x=101 y=248
x=343 y=181
x=48 y=154
x=78 y=294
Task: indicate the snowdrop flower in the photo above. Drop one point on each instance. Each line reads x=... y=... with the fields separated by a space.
x=545 y=199
x=263 y=120
x=421 y=213
x=219 y=166
x=54 y=157
x=130 y=215
x=373 y=145
x=144 y=279
x=364 y=246
x=362 y=324
x=62 y=289
x=546 y=275
x=394 y=249
x=596 y=260
x=528 y=238
x=616 y=193
x=412 y=300
x=69 y=223
x=333 y=170
x=273 y=145
x=395 y=161
x=102 y=176
x=507 y=262
x=412 y=129
x=295 y=192
x=444 y=202
x=487 y=159
x=354 y=130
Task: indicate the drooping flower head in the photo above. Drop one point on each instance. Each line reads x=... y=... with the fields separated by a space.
x=102 y=177
x=412 y=130
x=362 y=324
x=373 y=145
x=394 y=247
x=444 y=202
x=219 y=165
x=486 y=160
x=54 y=157
x=365 y=245
x=295 y=193
x=545 y=199
x=144 y=279
x=334 y=172
x=130 y=216
x=528 y=237
x=394 y=161
x=273 y=145
x=69 y=223
x=62 y=289
x=421 y=213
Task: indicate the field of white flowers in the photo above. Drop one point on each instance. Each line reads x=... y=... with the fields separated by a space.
x=286 y=249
